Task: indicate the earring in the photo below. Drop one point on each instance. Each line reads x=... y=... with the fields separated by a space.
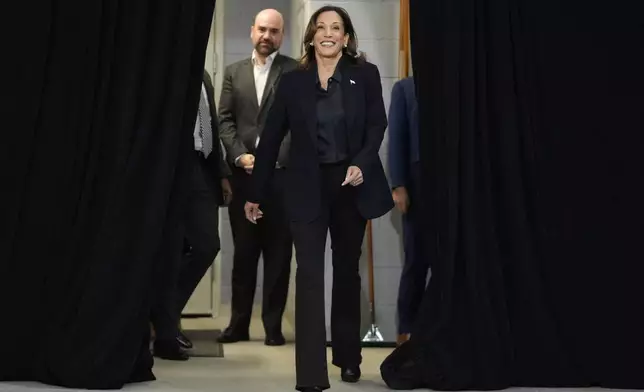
x=311 y=44
x=345 y=45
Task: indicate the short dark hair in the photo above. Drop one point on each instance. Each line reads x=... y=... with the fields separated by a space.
x=351 y=50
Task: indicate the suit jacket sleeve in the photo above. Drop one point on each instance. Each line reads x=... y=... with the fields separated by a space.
x=224 y=168
x=275 y=130
x=398 y=137
x=227 y=120
x=376 y=122
x=221 y=167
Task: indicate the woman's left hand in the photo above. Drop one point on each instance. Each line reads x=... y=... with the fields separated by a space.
x=354 y=176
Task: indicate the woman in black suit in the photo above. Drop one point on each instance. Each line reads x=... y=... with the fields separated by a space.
x=334 y=110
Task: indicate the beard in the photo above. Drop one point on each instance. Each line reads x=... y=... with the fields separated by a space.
x=265 y=48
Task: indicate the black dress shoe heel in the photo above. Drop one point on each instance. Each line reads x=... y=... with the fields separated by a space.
x=275 y=340
x=183 y=341
x=351 y=375
x=229 y=336
x=170 y=351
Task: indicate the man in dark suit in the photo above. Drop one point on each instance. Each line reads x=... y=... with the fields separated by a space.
x=404 y=171
x=208 y=188
x=247 y=94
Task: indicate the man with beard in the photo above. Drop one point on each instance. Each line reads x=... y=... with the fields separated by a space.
x=246 y=97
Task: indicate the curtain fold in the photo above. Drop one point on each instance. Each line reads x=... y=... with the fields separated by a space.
x=103 y=99
x=531 y=160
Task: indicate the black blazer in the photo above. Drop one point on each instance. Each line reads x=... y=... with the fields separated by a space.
x=215 y=162
x=241 y=118
x=295 y=109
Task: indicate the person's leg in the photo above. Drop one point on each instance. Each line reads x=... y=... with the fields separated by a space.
x=409 y=280
x=202 y=233
x=413 y=280
x=163 y=315
x=245 y=261
x=310 y=328
x=277 y=251
x=347 y=228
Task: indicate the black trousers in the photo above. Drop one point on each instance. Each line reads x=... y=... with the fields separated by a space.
x=339 y=216
x=200 y=228
x=413 y=279
x=271 y=238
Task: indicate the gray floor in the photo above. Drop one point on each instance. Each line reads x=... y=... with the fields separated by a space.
x=246 y=367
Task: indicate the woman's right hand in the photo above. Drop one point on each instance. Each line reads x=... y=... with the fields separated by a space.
x=253 y=213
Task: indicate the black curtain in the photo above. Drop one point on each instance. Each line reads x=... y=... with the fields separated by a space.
x=532 y=157
x=100 y=99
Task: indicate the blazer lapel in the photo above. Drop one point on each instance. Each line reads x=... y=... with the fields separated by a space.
x=249 y=84
x=308 y=97
x=273 y=75
x=349 y=96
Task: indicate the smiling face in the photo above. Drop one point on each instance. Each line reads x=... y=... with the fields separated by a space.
x=330 y=36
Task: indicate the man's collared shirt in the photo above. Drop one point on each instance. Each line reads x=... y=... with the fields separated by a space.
x=260 y=71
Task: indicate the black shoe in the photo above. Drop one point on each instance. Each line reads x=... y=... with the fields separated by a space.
x=351 y=375
x=230 y=336
x=183 y=341
x=169 y=350
x=275 y=340
x=311 y=389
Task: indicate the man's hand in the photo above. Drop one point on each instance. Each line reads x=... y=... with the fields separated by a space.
x=227 y=190
x=246 y=161
x=354 y=176
x=253 y=213
x=401 y=199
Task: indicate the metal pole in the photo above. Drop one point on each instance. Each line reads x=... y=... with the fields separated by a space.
x=373 y=335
